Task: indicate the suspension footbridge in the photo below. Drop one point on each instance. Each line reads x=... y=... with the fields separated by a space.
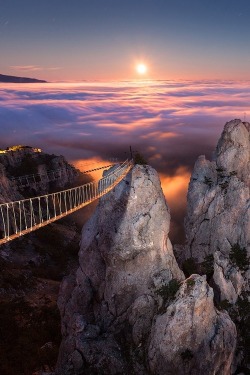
x=24 y=216
x=53 y=175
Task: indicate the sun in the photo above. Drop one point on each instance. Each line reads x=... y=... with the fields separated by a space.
x=141 y=68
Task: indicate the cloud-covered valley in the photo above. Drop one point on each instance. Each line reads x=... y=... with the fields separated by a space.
x=169 y=122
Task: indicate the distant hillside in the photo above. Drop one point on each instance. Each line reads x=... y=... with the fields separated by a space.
x=13 y=79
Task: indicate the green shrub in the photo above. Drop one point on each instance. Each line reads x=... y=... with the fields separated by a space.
x=241 y=318
x=224 y=305
x=168 y=291
x=207 y=266
x=238 y=257
x=139 y=159
x=189 y=267
x=190 y=283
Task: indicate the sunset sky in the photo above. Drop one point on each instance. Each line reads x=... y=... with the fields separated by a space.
x=171 y=123
x=104 y=39
x=101 y=98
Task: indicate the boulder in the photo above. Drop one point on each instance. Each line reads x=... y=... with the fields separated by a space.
x=192 y=337
x=125 y=257
x=218 y=213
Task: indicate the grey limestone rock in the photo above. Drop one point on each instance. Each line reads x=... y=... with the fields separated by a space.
x=192 y=337
x=114 y=320
x=218 y=214
x=125 y=255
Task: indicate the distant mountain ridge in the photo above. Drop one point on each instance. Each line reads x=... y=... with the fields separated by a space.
x=14 y=79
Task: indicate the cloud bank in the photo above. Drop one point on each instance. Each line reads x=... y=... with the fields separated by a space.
x=170 y=122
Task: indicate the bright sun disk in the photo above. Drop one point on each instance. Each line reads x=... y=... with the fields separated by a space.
x=141 y=68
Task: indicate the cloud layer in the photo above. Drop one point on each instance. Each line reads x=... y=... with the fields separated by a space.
x=170 y=122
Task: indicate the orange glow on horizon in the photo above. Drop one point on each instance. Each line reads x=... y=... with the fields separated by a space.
x=92 y=163
x=175 y=187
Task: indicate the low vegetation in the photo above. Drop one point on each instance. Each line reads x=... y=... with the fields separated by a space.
x=207 y=266
x=224 y=305
x=190 y=267
x=27 y=166
x=190 y=283
x=238 y=257
x=240 y=314
x=139 y=159
x=168 y=291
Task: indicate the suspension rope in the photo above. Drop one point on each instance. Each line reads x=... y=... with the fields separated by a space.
x=51 y=175
x=24 y=216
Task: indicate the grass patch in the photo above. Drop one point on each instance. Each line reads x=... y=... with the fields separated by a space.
x=190 y=283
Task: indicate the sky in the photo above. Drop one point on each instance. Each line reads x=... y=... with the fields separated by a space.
x=97 y=105
x=71 y=40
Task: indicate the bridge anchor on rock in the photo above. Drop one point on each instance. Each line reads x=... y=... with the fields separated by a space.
x=24 y=216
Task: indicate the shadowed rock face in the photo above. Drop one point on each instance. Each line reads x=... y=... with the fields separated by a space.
x=218 y=215
x=113 y=319
x=27 y=162
x=31 y=270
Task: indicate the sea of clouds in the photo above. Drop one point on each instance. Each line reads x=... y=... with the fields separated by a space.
x=170 y=122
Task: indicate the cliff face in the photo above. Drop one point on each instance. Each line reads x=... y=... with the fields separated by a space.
x=32 y=267
x=191 y=336
x=218 y=215
x=122 y=311
x=28 y=162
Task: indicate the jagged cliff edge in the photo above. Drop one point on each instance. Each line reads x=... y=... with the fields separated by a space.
x=129 y=308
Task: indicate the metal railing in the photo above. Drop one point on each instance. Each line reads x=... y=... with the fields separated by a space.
x=24 y=216
x=38 y=178
x=54 y=175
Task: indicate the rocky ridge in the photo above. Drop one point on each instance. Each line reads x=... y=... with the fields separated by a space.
x=14 y=79
x=217 y=226
x=32 y=267
x=218 y=215
x=128 y=308
x=22 y=161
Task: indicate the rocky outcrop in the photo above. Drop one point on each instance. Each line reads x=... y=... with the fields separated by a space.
x=218 y=214
x=117 y=312
x=32 y=267
x=39 y=173
x=125 y=255
x=7 y=192
x=192 y=337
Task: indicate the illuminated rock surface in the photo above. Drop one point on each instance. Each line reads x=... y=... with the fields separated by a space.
x=116 y=308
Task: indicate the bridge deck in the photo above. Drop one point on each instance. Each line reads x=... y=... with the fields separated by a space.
x=21 y=217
